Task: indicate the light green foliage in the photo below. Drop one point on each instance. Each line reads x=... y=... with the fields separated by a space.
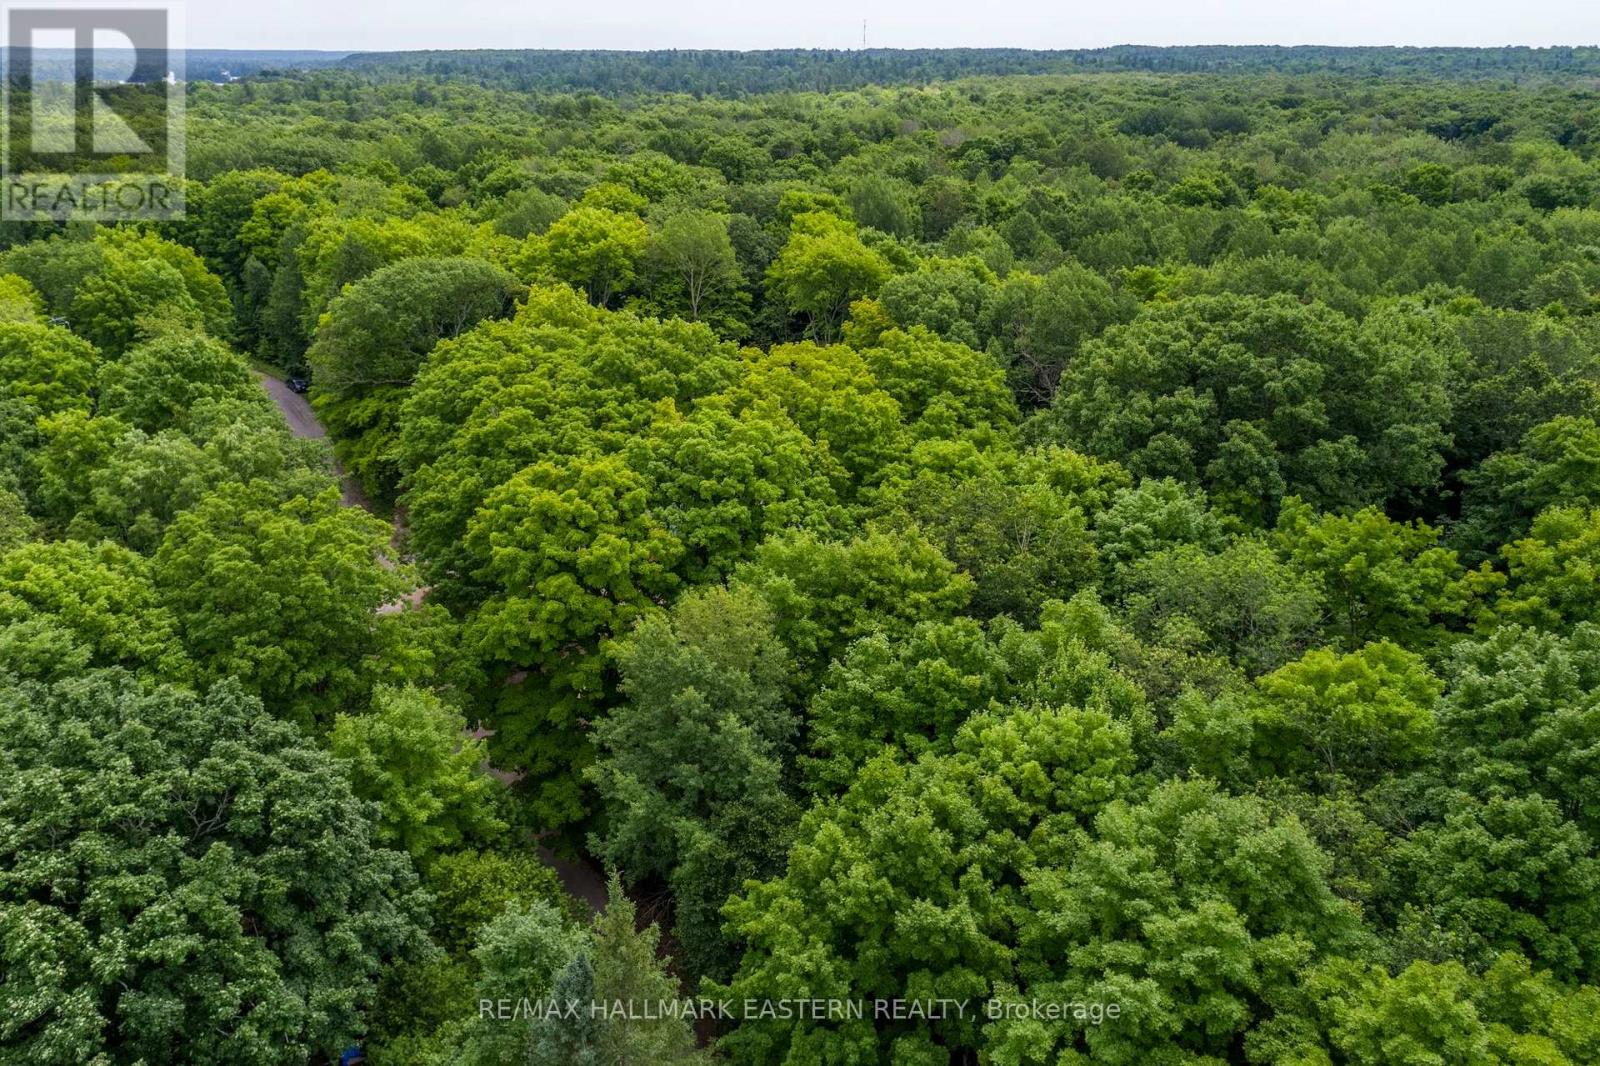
x=1014 y=523
x=1151 y=517
x=69 y=605
x=19 y=300
x=692 y=248
x=46 y=368
x=1521 y=370
x=944 y=390
x=594 y=249
x=1181 y=909
x=148 y=478
x=914 y=693
x=184 y=873
x=1240 y=602
x=373 y=337
x=912 y=883
x=328 y=252
x=561 y=379
x=55 y=267
x=1257 y=399
x=1440 y=1012
x=1553 y=573
x=157 y=384
x=1522 y=714
x=833 y=396
x=630 y=969
x=1381 y=580
x=823 y=595
x=576 y=556
x=1041 y=327
x=722 y=483
x=702 y=726
x=1328 y=717
x=141 y=285
x=821 y=268
x=407 y=753
x=946 y=296
x=1248 y=684
x=470 y=888
x=281 y=594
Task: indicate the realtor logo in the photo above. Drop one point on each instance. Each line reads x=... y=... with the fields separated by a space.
x=93 y=112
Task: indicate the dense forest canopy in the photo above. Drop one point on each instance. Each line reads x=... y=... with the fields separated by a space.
x=1116 y=531
x=823 y=70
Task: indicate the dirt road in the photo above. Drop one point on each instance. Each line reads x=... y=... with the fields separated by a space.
x=582 y=878
x=303 y=422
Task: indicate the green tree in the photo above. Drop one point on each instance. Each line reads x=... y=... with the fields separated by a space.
x=519 y=955
x=911 y=885
x=591 y=248
x=373 y=337
x=46 y=368
x=186 y=877
x=1190 y=910
x=1437 y=1012
x=407 y=753
x=1241 y=602
x=144 y=285
x=68 y=605
x=722 y=483
x=823 y=595
x=1154 y=516
x=914 y=693
x=157 y=384
x=690 y=765
x=1506 y=874
x=1255 y=399
x=1381 y=580
x=1359 y=717
x=694 y=247
x=1557 y=463
x=471 y=888
x=576 y=557
x=823 y=267
x=629 y=969
x=281 y=594
x=1551 y=573
x=1521 y=714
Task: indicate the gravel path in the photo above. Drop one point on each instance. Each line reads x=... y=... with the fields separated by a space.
x=303 y=423
x=582 y=878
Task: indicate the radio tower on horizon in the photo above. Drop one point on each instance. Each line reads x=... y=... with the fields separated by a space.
x=863 y=35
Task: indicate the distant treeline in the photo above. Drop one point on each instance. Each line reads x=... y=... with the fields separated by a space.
x=118 y=64
x=726 y=72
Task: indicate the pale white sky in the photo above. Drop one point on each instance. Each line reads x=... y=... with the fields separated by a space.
x=364 y=25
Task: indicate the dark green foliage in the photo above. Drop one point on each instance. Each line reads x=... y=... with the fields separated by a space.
x=185 y=872
x=1258 y=399
x=1125 y=540
x=375 y=336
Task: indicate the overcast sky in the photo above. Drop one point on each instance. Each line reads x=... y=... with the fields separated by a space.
x=346 y=25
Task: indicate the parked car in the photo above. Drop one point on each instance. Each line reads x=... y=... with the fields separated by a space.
x=299 y=384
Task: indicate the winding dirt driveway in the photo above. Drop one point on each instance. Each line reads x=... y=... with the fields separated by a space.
x=296 y=410
x=581 y=878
